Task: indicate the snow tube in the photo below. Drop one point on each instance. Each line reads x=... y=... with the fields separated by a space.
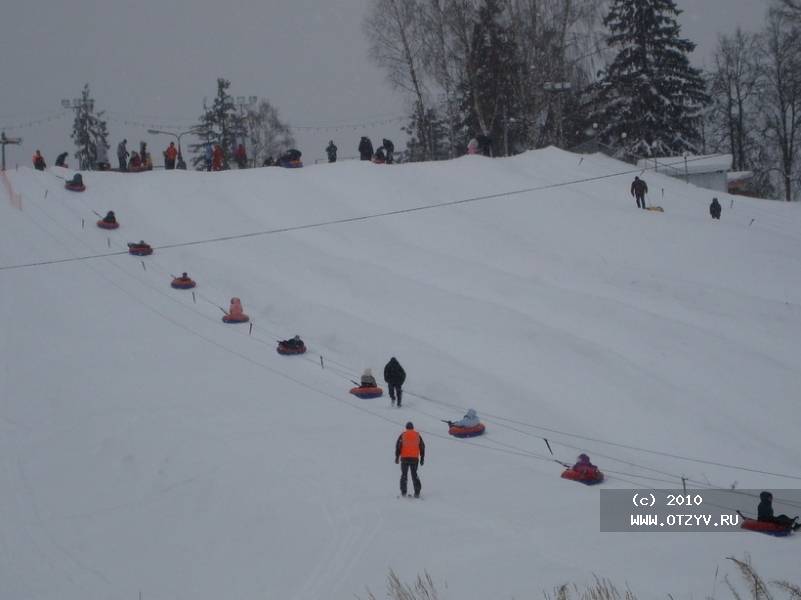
x=587 y=478
x=287 y=350
x=106 y=225
x=291 y=164
x=367 y=392
x=767 y=527
x=140 y=249
x=75 y=187
x=465 y=432
x=183 y=283
x=243 y=318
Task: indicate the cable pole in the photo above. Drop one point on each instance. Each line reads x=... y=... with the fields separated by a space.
x=4 y=141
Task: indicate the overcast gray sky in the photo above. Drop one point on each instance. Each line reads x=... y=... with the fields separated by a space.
x=153 y=61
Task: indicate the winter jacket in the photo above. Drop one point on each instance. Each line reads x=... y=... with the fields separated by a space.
x=715 y=209
x=394 y=373
x=469 y=420
x=388 y=146
x=765 y=510
x=331 y=151
x=39 y=161
x=367 y=379
x=61 y=159
x=122 y=151
x=410 y=446
x=639 y=187
x=235 y=309
x=585 y=467
x=365 y=149
x=171 y=153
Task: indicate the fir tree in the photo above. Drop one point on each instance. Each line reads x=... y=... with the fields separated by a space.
x=489 y=100
x=88 y=131
x=435 y=131
x=220 y=124
x=650 y=98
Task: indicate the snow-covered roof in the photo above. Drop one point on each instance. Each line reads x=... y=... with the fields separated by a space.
x=691 y=164
x=733 y=176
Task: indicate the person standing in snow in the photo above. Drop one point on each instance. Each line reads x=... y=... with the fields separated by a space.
x=170 y=154
x=39 y=161
x=122 y=155
x=410 y=450
x=331 y=151
x=394 y=375
x=715 y=209
x=365 y=148
x=638 y=189
x=217 y=158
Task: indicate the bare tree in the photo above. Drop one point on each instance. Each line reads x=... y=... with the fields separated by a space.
x=394 y=30
x=734 y=87
x=782 y=95
x=267 y=134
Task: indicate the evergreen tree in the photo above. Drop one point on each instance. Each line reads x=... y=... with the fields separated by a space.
x=434 y=146
x=221 y=124
x=88 y=131
x=489 y=100
x=650 y=98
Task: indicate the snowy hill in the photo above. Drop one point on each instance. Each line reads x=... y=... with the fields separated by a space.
x=146 y=446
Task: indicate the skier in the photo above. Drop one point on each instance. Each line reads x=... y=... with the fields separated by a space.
x=365 y=148
x=394 y=375
x=367 y=379
x=765 y=513
x=584 y=466
x=638 y=189
x=409 y=450
x=389 y=148
x=39 y=161
x=331 y=151
x=122 y=155
x=715 y=209
x=61 y=159
x=469 y=420
x=101 y=157
x=170 y=154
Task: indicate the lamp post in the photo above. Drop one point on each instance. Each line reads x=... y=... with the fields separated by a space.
x=178 y=137
x=4 y=141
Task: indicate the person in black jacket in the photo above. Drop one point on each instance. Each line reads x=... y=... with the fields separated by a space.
x=394 y=375
x=61 y=159
x=389 y=148
x=715 y=209
x=331 y=151
x=765 y=513
x=365 y=148
x=638 y=189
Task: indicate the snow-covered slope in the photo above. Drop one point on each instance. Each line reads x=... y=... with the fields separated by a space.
x=146 y=446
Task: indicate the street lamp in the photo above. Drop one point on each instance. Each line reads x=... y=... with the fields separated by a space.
x=178 y=137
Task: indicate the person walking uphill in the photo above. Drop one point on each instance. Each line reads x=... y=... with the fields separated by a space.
x=638 y=189
x=409 y=451
x=715 y=209
x=394 y=375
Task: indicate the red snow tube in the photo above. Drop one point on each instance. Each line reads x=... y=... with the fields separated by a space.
x=140 y=249
x=183 y=283
x=106 y=225
x=587 y=477
x=286 y=350
x=768 y=527
x=75 y=187
x=243 y=318
x=367 y=392
x=465 y=432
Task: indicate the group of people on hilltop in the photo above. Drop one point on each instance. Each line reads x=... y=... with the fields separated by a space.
x=134 y=161
x=384 y=155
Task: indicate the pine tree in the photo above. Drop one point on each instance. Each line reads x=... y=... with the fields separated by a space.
x=88 y=131
x=650 y=98
x=488 y=99
x=435 y=146
x=219 y=124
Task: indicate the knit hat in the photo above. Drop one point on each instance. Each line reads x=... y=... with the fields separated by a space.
x=409 y=425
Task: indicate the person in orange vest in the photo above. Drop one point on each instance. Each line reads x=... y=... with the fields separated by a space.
x=409 y=451
x=170 y=154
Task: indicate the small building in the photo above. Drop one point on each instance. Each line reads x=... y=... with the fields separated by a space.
x=706 y=171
